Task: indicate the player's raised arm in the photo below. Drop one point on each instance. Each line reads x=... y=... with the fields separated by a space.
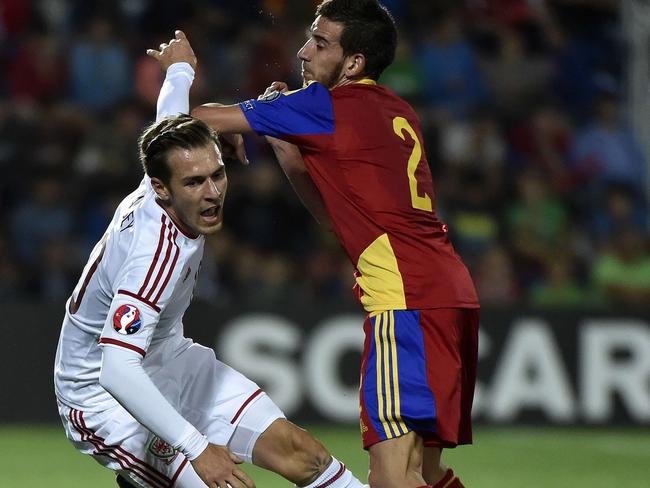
x=178 y=61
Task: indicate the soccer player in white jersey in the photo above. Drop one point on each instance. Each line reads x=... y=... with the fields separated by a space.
x=132 y=391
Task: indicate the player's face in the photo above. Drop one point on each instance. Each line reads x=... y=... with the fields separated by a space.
x=197 y=188
x=322 y=56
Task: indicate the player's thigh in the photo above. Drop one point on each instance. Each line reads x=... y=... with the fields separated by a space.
x=397 y=462
x=209 y=394
x=395 y=395
x=451 y=343
x=418 y=375
x=118 y=442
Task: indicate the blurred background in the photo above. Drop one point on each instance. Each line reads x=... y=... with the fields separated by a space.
x=537 y=126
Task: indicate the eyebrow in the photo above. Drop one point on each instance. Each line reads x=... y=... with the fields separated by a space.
x=318 y=37
x=189 y=179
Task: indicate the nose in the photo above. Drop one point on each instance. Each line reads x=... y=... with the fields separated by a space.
x=213 y=190
x=302 y=53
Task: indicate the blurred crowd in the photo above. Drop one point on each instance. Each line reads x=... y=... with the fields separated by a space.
x=537 y=172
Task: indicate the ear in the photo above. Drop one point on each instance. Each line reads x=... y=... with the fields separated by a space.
x=355 y=66
x=161 y=190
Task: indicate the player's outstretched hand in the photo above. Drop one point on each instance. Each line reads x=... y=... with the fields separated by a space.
x=217 y=467
x=177 y=50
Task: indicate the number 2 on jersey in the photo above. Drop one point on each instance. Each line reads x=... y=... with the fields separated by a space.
x=400 y=126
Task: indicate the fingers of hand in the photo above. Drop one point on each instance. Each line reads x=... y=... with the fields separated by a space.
x=180 y=34
x=244 y=478
x=280 y=86
x=153 y=53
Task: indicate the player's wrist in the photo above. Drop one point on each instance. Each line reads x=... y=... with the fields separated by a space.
x=193 y=444
x=180 y=68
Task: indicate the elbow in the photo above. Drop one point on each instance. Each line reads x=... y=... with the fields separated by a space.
x=199 y=112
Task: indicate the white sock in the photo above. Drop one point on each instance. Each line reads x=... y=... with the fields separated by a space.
x=336 y=475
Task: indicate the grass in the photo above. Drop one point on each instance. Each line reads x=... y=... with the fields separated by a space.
x=36 y=456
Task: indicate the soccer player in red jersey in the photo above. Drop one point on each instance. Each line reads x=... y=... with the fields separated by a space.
x=361 y=147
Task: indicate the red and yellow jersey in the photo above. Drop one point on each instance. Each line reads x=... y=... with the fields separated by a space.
x=362 y=146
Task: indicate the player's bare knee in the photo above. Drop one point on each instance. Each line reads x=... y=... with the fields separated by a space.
x=310 y=455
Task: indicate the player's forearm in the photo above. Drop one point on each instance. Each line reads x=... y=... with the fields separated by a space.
x=124 y=378
x=225 y=119
x=292 y=164
x=174 y=97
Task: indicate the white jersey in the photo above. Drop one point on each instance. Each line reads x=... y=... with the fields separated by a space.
x=132 y=293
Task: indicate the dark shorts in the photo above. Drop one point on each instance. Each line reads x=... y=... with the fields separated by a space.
x=418 y=374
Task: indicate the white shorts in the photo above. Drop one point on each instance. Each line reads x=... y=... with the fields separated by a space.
x=220 y=402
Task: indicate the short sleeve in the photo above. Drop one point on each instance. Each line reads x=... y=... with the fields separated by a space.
x=304 y=112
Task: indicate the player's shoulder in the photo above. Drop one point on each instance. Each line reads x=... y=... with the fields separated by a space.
x=140 y=220
x=309 y=87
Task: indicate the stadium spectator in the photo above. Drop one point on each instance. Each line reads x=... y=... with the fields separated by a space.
x=605 y=152
x=558 y=287
x=453 y=85
x=621 y=270
x=537 y=224
x=100 y=69
x=495 y=278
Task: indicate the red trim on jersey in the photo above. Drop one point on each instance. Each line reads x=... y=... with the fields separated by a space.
x=138 y=297
x=115 y=342
x=161 y=270
x=171 y=269
x=248 y=400
x=125 y=459
x=178 y=472
x=74 y=304
x=161 y=241
x=333 y=479
x=178 y=225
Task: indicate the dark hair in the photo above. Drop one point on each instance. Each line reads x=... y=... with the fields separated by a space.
x=368 y=28
x=161 y=137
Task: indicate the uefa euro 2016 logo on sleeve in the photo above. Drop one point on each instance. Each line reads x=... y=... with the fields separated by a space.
x=126 y=320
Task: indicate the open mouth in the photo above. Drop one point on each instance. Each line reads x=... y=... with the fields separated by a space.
x=211 y=213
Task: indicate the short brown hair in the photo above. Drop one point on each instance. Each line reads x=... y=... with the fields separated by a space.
x=161 y=137
x=368 y=28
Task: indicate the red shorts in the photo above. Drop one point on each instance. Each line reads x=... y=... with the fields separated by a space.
x=418 y=374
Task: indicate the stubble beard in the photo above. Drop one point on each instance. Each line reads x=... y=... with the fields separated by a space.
x=334 y=76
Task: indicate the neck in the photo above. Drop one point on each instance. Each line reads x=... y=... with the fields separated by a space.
x=169 y=210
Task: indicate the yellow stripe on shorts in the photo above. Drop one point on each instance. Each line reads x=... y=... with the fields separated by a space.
x=387 y=371
x=393 y=342
x=380 y=394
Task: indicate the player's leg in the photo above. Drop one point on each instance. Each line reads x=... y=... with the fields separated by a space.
x=465 y=323
x=437 y=474
x=264 y=437
x=413 y=381
x=397 y=462
x=232 y=410
x=432 y=467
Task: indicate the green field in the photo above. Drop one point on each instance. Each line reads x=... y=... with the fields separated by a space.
x=521 y=458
